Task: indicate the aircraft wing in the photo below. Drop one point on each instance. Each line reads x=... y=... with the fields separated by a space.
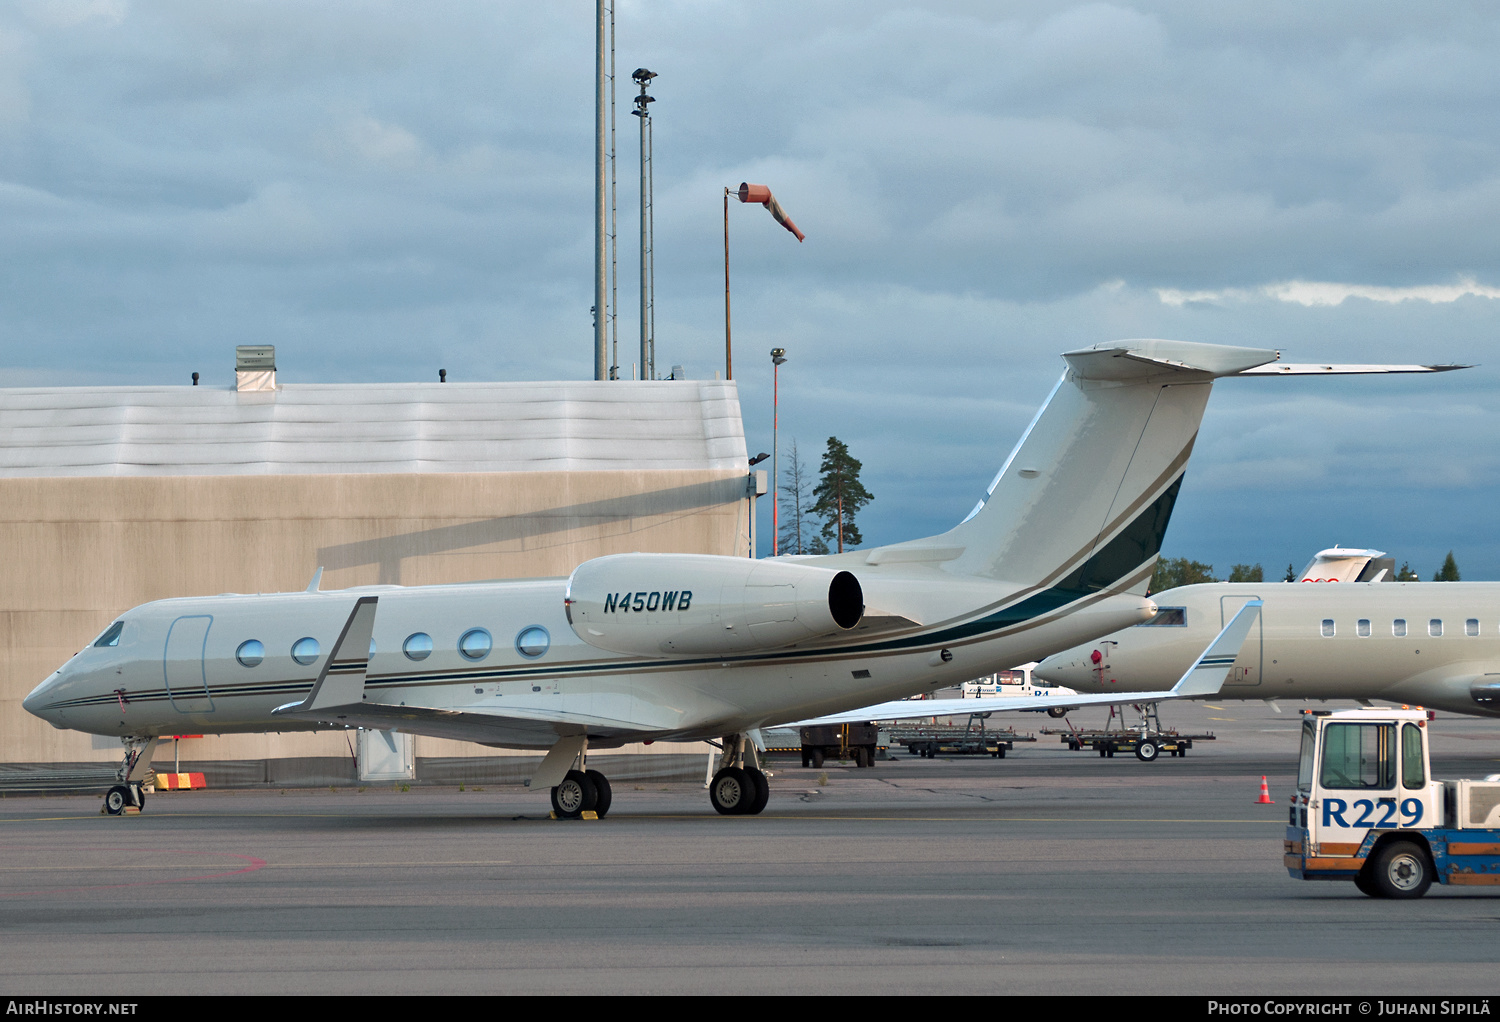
x=338 y=698
x=1204 y=678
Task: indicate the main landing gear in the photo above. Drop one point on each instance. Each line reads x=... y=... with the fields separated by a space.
x=131 y=792
x=740 y=788
x=582 y=791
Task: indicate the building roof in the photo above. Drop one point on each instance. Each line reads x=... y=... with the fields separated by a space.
x=371 y=428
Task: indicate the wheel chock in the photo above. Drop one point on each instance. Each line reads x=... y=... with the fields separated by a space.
x=587 y=814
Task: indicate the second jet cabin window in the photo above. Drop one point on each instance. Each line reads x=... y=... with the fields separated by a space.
x=1398 y=628
x=1435 y=628
x=1328 y=628
x=1362 y=628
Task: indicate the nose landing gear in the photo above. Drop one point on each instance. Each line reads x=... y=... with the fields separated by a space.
x=130 y=793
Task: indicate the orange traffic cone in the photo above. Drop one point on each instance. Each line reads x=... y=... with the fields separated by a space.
x=1265 y=793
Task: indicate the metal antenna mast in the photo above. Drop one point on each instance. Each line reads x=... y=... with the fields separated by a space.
x=614 y=217
x=601 y=266
x=648 y=258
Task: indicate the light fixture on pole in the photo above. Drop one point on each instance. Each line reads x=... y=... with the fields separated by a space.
x=778 y=356
x=642 y=110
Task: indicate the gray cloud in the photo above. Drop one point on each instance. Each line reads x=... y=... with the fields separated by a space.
x=381 y=188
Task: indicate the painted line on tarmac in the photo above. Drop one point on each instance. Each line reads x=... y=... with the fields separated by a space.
x=255 y=863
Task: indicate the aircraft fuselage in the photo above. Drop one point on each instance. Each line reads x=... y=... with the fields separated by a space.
x=505 y=650
x=1433 y=644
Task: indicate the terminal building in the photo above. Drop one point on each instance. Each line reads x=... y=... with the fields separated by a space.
x=114 y=496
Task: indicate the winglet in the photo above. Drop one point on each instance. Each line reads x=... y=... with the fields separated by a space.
x=1211 y=669
x=342 y=680
x=312 y=586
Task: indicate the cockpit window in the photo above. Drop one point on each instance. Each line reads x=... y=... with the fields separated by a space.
x=111 y=636
x=1168 y=616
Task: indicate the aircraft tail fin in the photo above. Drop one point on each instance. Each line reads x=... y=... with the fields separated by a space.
x=1081 y=504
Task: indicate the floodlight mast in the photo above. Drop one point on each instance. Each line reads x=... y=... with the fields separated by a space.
x=601 y=268
x=642 y=110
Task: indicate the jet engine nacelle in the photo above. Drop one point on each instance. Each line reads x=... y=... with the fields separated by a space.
x=700 y=604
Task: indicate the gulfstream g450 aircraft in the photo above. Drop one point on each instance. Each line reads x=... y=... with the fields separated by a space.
x=680 y=647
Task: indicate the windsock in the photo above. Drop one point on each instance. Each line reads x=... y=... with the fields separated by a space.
x=762 y=195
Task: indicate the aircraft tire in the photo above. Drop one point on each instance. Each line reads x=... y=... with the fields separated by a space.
x=1057 y=711
x=116 y=799
x=1401 y=869
x=731 y=791
x=762 y=792
x=817 y=758
x=575 y=796
x=604 y=795
x=1147 y=751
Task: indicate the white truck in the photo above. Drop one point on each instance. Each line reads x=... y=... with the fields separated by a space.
x=1366 y=808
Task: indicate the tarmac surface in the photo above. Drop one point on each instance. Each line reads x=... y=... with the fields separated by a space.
x=1048 y=872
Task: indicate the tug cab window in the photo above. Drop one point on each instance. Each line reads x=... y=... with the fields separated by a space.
x=1359 y=756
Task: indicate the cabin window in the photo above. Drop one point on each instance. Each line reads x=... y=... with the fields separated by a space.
x=418 y=646
x=1471 y=626
x=250 y=653
x=305 y=650
x=1328 y=628
x=111 y=636
x=1362 y=628
x=1435 y=628
x=1398 y=628
x=1168 y=616
x=533 y=641
x=475 y=644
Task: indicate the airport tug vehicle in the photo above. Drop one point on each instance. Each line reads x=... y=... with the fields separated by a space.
x=1367 y=810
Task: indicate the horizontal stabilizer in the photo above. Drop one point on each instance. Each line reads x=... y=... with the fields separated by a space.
x=1313 y=369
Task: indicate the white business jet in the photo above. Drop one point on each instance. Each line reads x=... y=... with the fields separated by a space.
x=685 y=647
x=1329 y=636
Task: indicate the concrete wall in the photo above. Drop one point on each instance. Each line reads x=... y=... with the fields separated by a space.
x=75 y=552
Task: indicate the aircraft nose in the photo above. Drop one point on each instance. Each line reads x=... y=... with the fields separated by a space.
x=1060 y=669
x=37 y=699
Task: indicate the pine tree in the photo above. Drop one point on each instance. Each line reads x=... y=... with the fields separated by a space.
x=840 y=495
x=1172 y=572
x=1406 y=574
x=1246 y=573
x=1449 y=571
x=796 y=506
x=1291 y=574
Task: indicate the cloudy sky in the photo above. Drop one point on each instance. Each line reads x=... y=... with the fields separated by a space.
x=381 y=189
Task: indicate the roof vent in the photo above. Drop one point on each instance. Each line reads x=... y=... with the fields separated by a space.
x=255 y=367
